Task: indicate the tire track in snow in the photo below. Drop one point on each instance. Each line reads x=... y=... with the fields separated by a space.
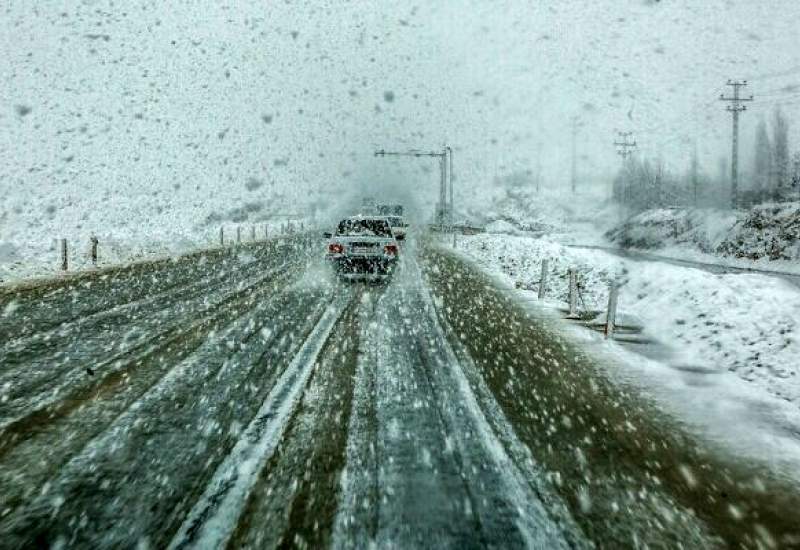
x=181 y=419
x=295 y=498
x=162 y=300
x=435 y=463
x=64 y=393
x=215 y=516
x=357 y=509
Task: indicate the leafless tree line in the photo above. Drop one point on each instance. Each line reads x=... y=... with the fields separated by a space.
x=774 y=176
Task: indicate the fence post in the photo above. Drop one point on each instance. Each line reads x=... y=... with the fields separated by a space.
x=253 y=233
x=222 y=236
x=611 y=314
x=94 y=242
x=543 y=280
x=454 y=239
x=573 y=292
x=64 y=260
x=266 y=231
x=238 y=234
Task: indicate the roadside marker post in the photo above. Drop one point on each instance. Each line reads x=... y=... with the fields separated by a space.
x=543 y=280
x=93 y=253
x=238 y=234
x=222 y=236
x=611 y=314
x=253 y=233
x=64 y=260
x=573 y=292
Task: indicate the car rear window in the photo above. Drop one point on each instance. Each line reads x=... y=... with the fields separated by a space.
x=368 y=227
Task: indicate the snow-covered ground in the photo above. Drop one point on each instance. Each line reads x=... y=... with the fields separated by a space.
x=745 y=324
x=41 y=257
x=724 y=347
x=765 y=237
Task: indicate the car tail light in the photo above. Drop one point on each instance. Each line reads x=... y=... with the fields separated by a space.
x=390 y=249
x=335 y=248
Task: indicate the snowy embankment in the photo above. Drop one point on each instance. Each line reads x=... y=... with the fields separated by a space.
x=739 y=323
x=765 y=237
x=42 y=258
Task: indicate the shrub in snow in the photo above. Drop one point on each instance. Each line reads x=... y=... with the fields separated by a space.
x=767 y=231
x=703 y=229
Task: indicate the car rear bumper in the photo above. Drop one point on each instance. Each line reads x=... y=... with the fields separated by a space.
x=362 y=264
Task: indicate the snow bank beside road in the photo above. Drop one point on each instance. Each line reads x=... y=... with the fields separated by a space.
x=768 y=234
x=42 y=257
x=719 y=324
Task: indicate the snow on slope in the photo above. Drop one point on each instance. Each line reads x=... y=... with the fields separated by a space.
x=743 y=325
x=702 y=229
x=766 y=237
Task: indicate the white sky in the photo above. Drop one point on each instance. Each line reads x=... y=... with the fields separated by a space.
x=130 y=99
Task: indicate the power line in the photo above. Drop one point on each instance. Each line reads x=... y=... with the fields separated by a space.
x=735 y=107
x=625 y=147
x=786 y=72
x=791 y=89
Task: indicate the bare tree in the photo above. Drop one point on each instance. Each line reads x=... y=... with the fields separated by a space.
x=780 y=131
x=762 y=161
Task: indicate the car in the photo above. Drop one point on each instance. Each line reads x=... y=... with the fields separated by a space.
x=363 y=245
x=390 y=210
x=398 y=227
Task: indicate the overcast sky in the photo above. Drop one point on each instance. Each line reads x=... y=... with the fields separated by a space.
x=171 y=108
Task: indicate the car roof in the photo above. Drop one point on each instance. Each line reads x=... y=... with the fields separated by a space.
x=366 y=217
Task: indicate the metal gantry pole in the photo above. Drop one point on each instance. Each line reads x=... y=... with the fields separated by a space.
x=451 y=209
x=442 y=214
x=443 y=191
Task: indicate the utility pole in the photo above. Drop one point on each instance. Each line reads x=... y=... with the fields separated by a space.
x=735 y=108
x=625 y=146
x=444 y=211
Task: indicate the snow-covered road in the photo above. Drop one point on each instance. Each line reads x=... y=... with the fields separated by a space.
x=251 y=400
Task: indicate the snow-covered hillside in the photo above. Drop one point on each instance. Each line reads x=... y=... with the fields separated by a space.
x=766 y=236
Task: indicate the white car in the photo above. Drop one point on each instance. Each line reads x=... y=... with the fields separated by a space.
x=363 y=244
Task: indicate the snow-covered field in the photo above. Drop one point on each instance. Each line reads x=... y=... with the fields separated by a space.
x=735 y=324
